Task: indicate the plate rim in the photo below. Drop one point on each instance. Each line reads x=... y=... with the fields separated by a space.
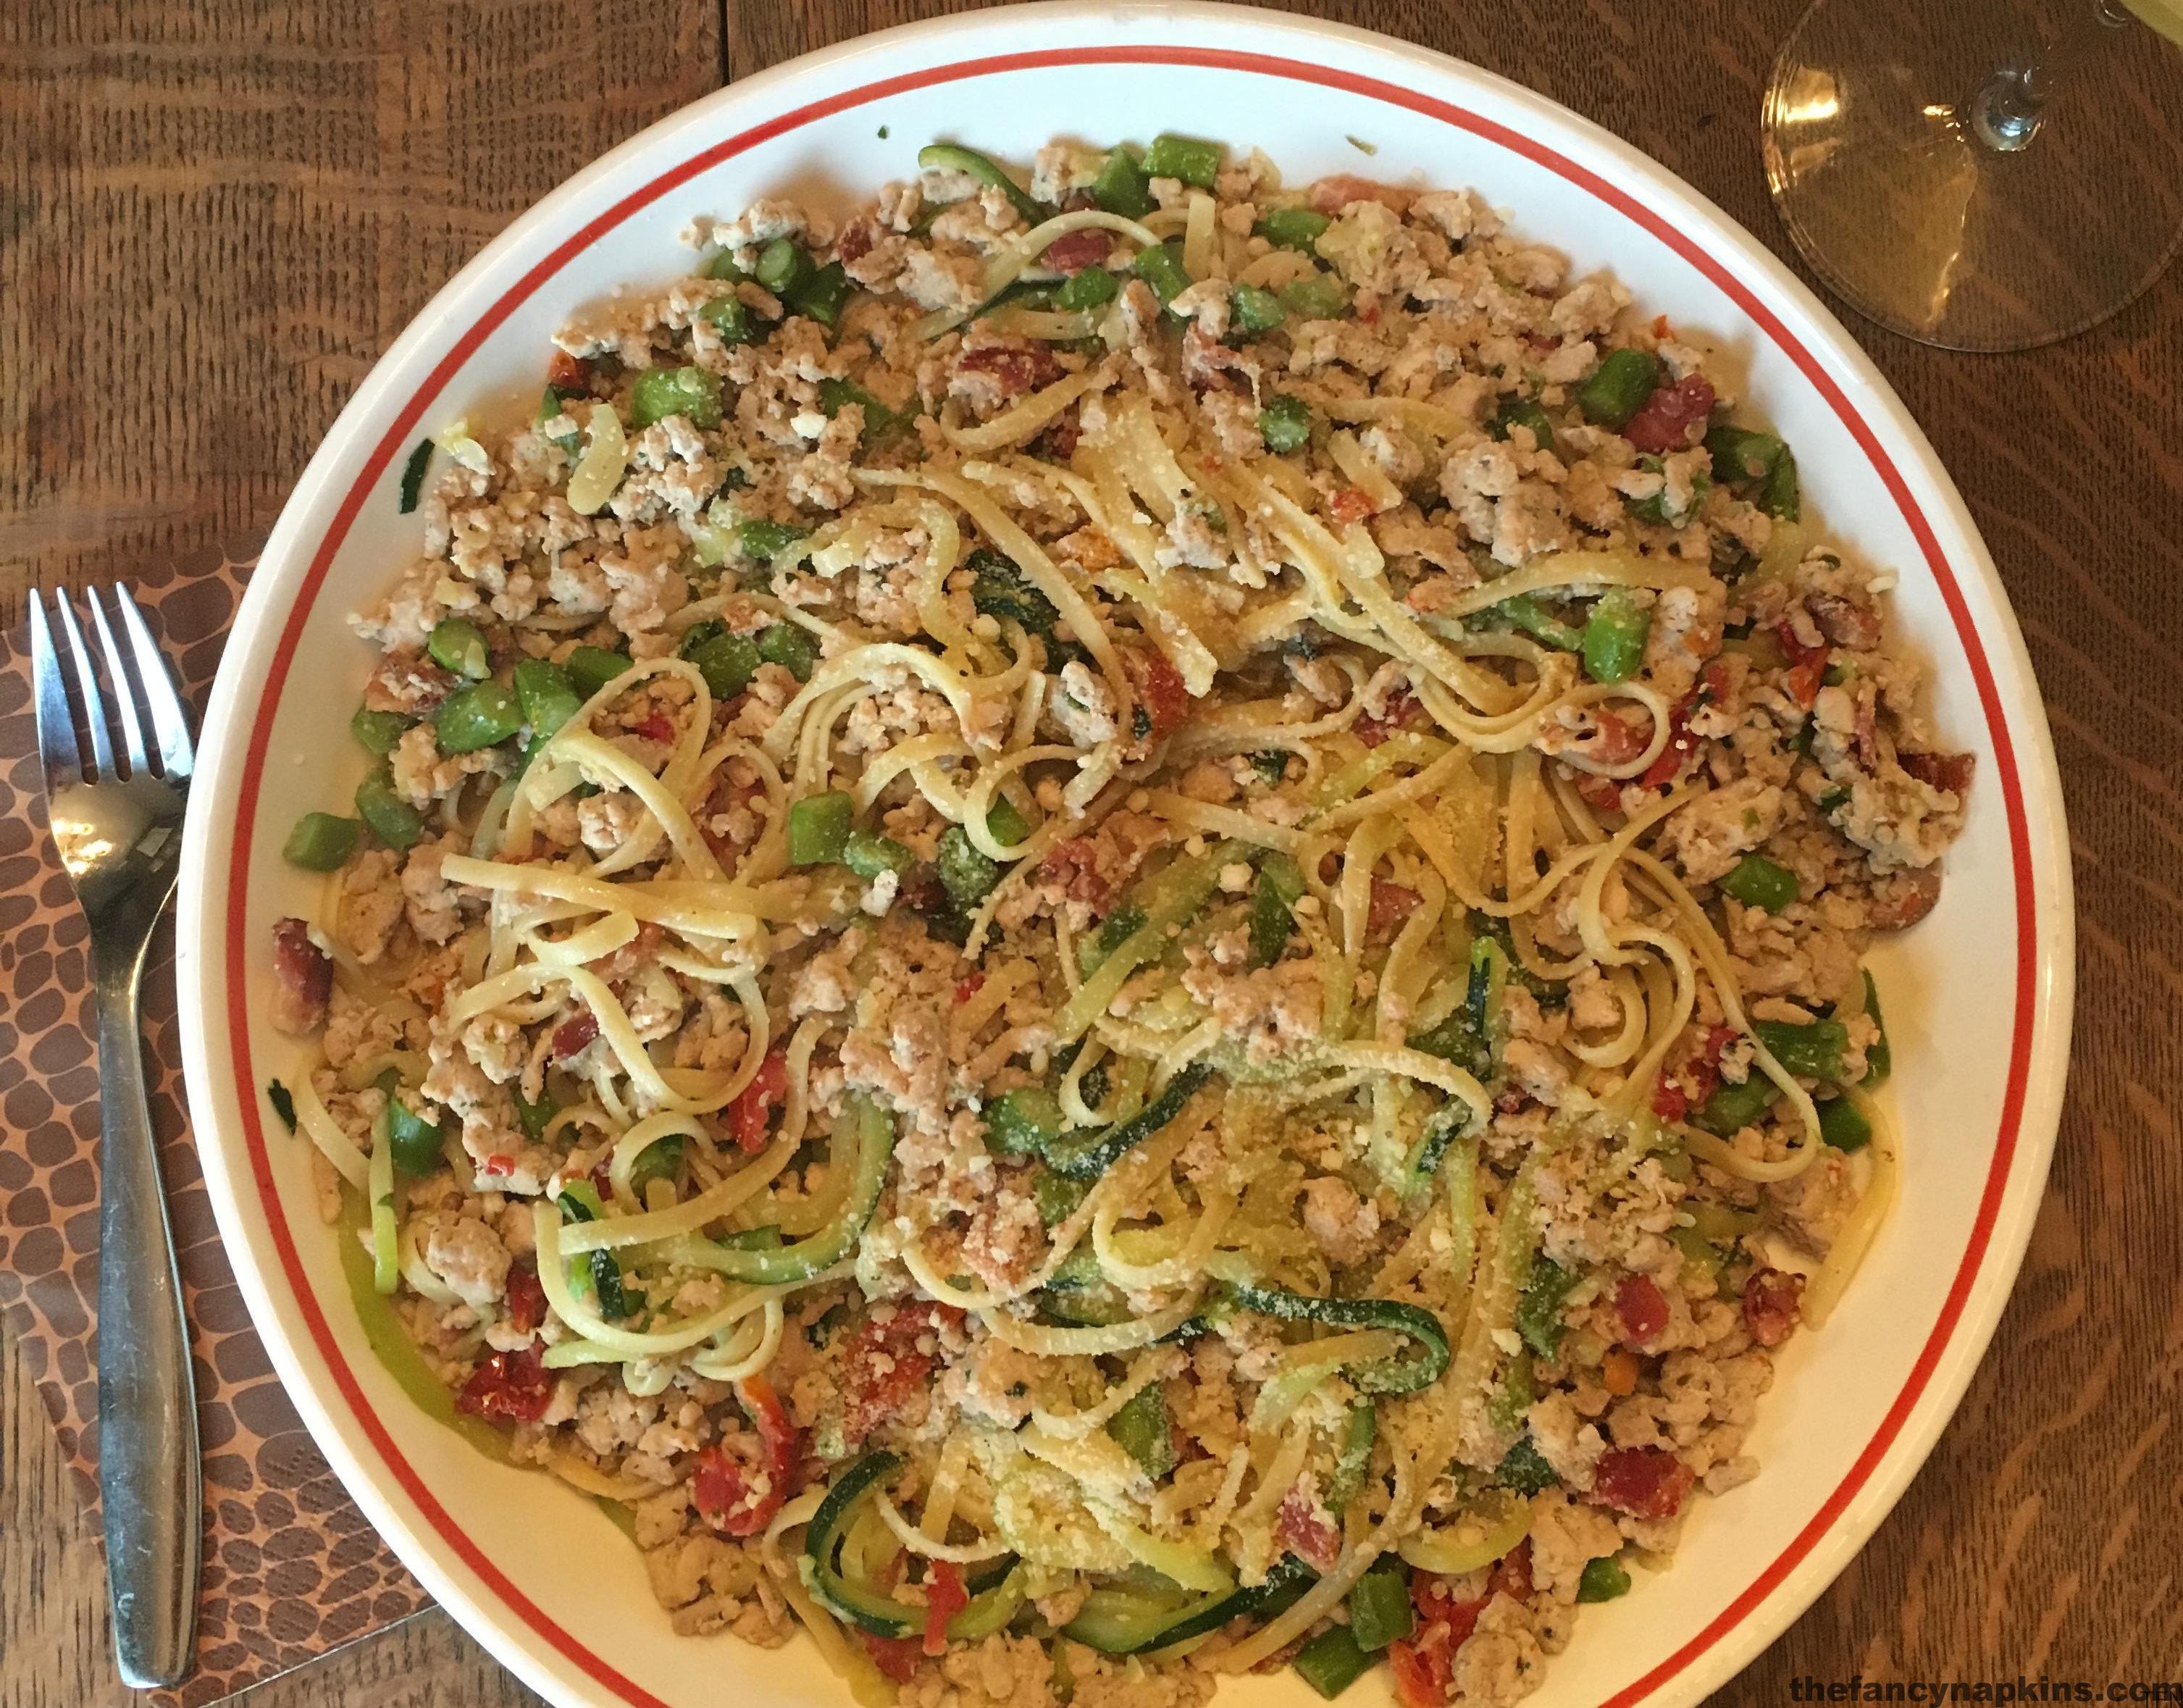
x=2037 y=844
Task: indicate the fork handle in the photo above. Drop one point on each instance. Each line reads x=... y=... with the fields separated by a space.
x=149 y=1480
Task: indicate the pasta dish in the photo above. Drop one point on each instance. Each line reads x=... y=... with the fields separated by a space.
x=1110 y=926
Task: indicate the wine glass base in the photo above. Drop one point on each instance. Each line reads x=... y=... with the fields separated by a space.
x=1900 y=198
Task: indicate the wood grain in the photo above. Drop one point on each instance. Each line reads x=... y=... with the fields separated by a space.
x=217 y=218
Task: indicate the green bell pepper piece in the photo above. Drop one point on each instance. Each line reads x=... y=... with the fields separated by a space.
x=1140 y=1429
x=1380 y=1604
x=790 y=648
x=1285 y=423
x=689 y=393
x=1332 y=1661
x=482 y=715
x=378 y=733
x=1619 y=388
x=1123 y=186
x=392 y=818
x=1195 y=162
x=868 y=854
x=1813 y=1051
x=1613 y=640
x=548 y=696
x=592 y=667
x=457 y=644
x=818 y=828
x=1163 y=270
x=1522 y=412
x=321 y=842
x=1252 y=308
x=1088 y=288
x=1293 y=228
x=727 y=662
x=1320 y=297
x=966 y=872
x=1758 y=881
x=1604 y=1579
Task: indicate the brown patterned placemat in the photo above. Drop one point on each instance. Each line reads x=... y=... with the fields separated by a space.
x=292 y=1569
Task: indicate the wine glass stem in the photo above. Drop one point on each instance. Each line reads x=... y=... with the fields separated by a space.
x=2006 y=112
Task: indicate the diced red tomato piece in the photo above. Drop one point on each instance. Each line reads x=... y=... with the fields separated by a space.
x=737 y=1491
x=881 y=1365
x=573 y=1033
x=1666 y=420
x=1865 y=733
x=568 y=373
x=1642 y=1307
x=1808 y=664
x=1391 y=903
x=1644 y=1482
x=726 y=1489
x=1619 y=740
x=1075 y=251
x=1603 y=795
x=302 y=978
x=1844 y=621
x=1711 y=687
x=1074 y=864
x=655 y=726
x=855 y=241
x=944 y=1598
x=1695 y=1080
x=1669 y=765
x=526 y=1296
x=750 y=1116
x=1015 y=368
x=1421 y=1672
x=1423 y=1663
x=761 y=1403
x=1435 y=1606
x=508 y=1388
x=500 y=1162
x=1773 y=1302
x=1160 y=685
x=1305 y=1531
x=1949 y=772
x=1805 y=681
x=1511 y=1573
x=1399 y=713
x=895 y=1656
x=965 y=988
x=1350 y=505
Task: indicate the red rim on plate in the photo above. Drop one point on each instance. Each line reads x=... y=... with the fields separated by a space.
x=399 y=435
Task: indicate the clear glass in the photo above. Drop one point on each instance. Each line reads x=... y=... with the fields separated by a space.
x=1988 y=176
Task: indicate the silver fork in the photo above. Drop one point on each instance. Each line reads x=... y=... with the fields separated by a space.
x=119 y=827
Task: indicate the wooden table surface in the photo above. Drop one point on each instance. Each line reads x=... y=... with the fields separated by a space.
x=216 y=216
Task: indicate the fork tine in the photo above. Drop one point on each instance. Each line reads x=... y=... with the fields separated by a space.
x=132 y=731
x=170 y=721
x=57 y=748
x=94 y=705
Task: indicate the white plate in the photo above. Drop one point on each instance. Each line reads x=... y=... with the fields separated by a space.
x=1978 y=995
